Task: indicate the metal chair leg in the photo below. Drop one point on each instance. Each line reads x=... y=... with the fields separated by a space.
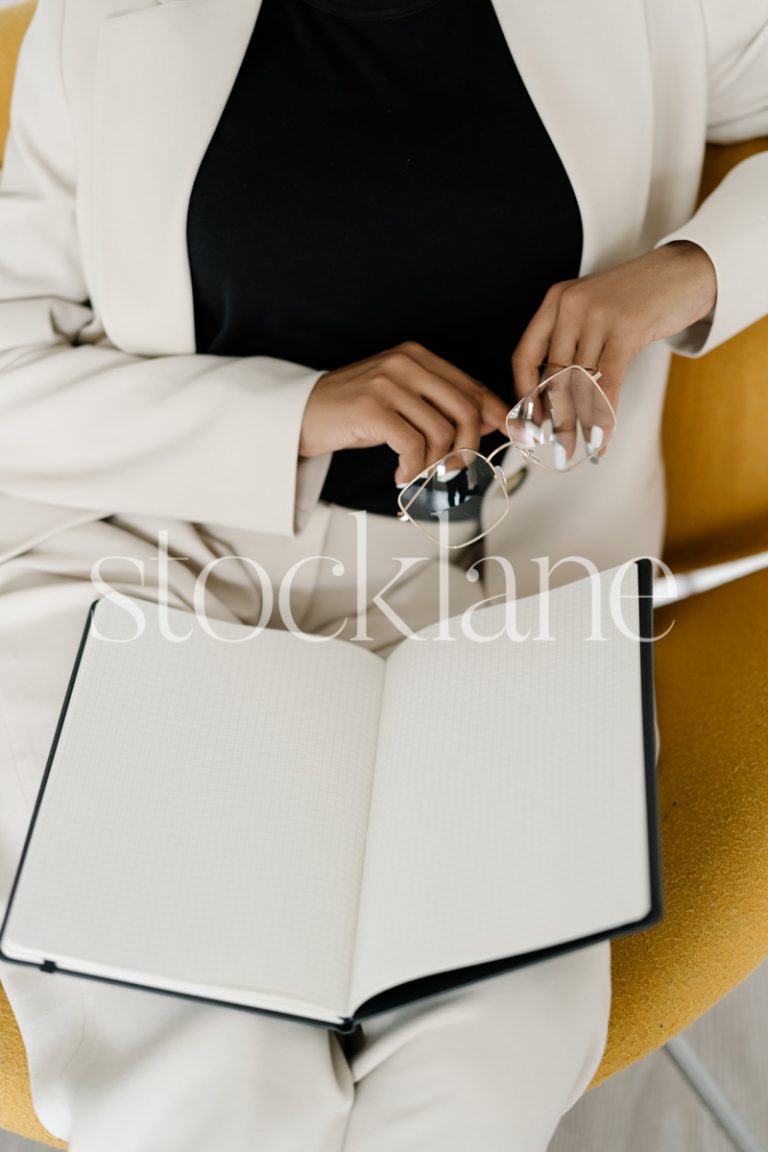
x=712 y=1096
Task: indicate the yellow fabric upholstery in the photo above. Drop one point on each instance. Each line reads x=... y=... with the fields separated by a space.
x=715 y=433
x=13 y=25
x=16 y=1111
x=712 y=679
x=712 y=684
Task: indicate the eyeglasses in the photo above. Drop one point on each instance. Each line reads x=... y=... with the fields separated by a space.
x=564 y=421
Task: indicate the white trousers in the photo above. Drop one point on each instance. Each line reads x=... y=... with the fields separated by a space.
x=492 y=1065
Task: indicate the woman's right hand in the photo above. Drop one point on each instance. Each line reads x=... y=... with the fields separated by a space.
x=406 y=397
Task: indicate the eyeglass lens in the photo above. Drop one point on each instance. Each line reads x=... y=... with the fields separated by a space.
x=453 y=494
x=563 y=422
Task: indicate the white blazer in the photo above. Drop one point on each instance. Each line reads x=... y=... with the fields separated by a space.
x=104 y=404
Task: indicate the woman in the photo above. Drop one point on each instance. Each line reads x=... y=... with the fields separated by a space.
x=234 y=309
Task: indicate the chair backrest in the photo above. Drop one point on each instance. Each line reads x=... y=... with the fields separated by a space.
x=13 y=24
x=16 y=1111
x=715 y=433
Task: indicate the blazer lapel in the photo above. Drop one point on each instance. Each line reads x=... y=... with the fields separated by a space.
x=163 y=76
x=587 y=69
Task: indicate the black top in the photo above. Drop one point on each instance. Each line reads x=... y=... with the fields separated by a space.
x=379 y=174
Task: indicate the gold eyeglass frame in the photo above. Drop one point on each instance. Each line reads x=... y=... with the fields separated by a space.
x=508 y=486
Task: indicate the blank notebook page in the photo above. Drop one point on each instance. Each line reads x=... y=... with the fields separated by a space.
x=509 y=805
x=205 y=815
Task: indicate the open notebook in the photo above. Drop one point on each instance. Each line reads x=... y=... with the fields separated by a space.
x=306 y=829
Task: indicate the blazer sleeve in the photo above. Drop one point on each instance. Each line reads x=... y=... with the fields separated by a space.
x=84 y=424
x=731 y=224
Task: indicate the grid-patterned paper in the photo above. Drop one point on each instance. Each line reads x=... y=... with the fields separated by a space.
x=509 y=804
x=205 y=816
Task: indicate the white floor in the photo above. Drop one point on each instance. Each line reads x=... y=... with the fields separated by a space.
x=650 y=1108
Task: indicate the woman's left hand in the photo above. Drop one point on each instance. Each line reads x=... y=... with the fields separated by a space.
x=602 y=321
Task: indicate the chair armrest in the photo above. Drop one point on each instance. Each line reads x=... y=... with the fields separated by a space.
x=712 y=688
x=16 y=1111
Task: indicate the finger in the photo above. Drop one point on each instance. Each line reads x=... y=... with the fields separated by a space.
x=588 y=403
x=603 y=418
x=563 y=344
x=533 y=346
x=525 y=420
x=456 y=406
x=559 y=406
x=558 y=402
x=613 y=364
x=419 y=393
x=590 y=348
x=493 y=413
x=492 y=408
x=439 y=433
x=389 y=427
x=569 y=344
x=591 y=409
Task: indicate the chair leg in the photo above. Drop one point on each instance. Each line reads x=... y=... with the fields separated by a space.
x=712 y=1096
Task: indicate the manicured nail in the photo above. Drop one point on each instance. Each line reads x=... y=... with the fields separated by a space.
x=561 y=457
x=529 y=433
x=595 y=438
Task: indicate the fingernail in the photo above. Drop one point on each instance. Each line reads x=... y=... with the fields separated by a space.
x=594 y=459
x=595 y=438
x=401 y=486
x=529 y=433
x=561 y=458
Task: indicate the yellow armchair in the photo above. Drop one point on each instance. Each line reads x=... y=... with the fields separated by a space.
x=712 y=681
x=711 y=687
x=714 y=448
x=16 y=1111
x=13 y=24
